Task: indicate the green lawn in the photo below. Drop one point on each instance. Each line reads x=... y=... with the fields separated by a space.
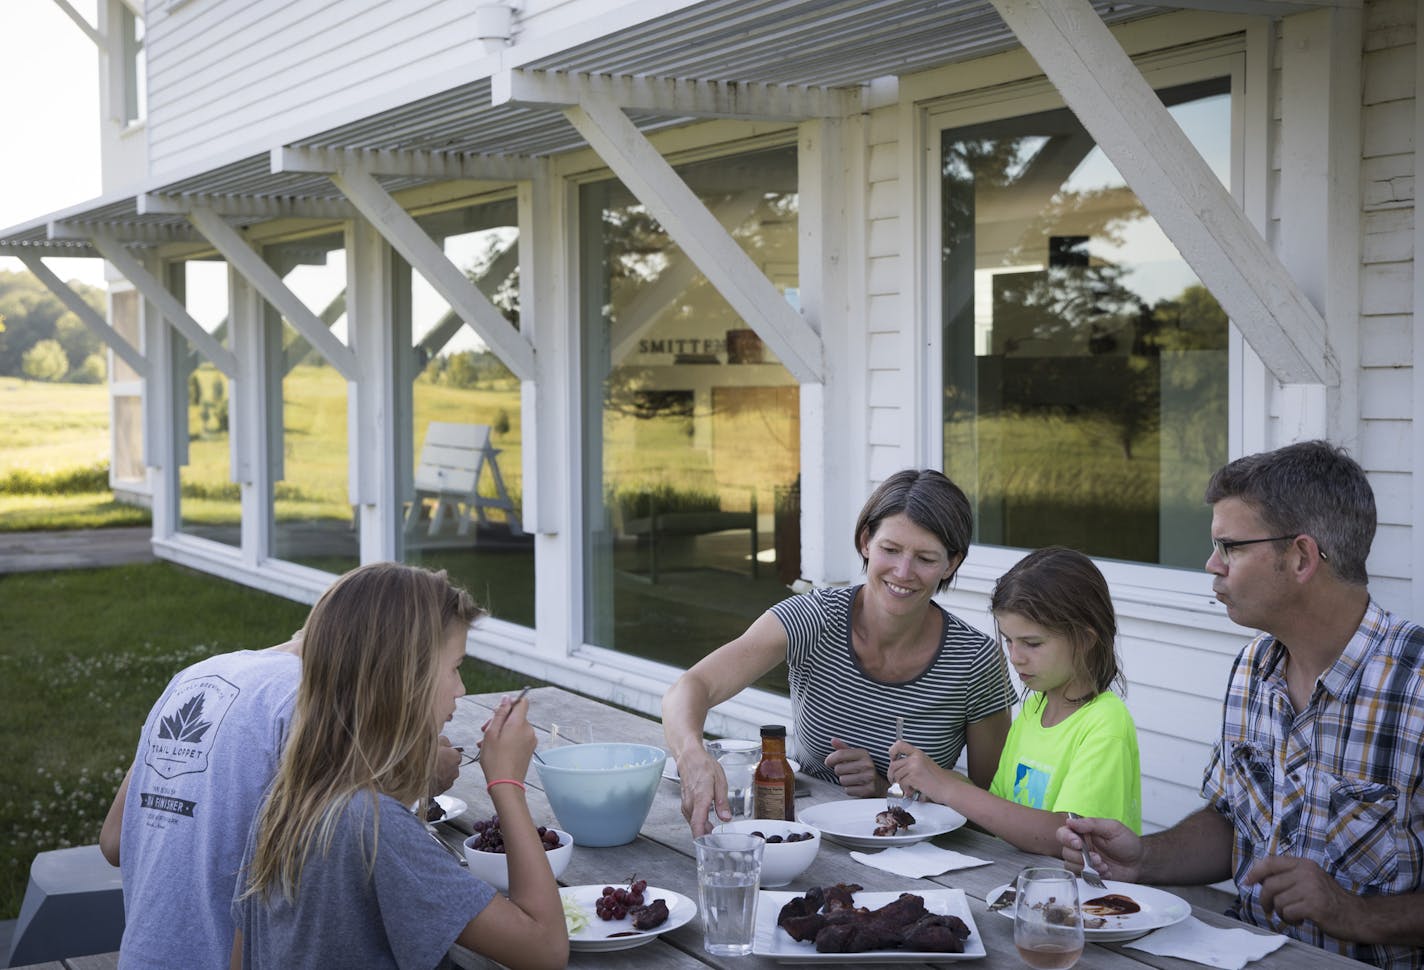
x=83 y=655
x=49 y=427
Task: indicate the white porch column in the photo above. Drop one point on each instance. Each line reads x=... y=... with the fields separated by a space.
x=250 y=430
x=552 y=464
x=1319 y=236
x=161 y=398
x=378 y=401
x=833 y=436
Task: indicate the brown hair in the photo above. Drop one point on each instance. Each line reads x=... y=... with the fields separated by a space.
x=1062 y=591
x=928 y=499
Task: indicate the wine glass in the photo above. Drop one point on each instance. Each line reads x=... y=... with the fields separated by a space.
x=1048 y=922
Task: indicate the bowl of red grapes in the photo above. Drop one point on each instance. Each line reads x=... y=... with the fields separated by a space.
x=485 y=852
x=790 y=846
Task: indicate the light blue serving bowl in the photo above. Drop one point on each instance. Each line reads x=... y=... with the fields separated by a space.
x=601 y=793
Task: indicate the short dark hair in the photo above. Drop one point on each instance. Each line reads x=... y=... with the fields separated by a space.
x=928 y=499
x=1309 y=488
x=1064 y=592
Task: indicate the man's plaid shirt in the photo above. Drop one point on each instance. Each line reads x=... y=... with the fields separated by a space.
x=1339 y=783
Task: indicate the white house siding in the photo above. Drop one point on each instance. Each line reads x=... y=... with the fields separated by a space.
x=1386 y=293
x=231 y=78
x=885 y=322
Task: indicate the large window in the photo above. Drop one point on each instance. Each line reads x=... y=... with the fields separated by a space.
x=467 y=425
x=1085 y=366
x=691 y=434
x=209 y=500
x=312 y=518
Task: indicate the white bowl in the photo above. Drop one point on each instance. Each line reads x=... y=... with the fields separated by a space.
x=601 y=792
x=781 y=862
x=493 y=867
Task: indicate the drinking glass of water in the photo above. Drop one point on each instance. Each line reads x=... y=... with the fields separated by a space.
x=738 y=759
x=728 y=877
x=1048 y=923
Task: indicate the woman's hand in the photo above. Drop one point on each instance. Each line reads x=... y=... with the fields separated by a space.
x=918 y=772
x=508 y=743
x=703 y=784
x=855 y=771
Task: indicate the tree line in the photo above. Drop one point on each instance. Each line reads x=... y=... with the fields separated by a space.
x=42 y=340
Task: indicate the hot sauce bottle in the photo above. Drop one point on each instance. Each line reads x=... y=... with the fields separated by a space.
x=774 y=781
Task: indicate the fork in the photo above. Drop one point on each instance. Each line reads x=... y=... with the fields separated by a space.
x=1089 y=874
x=895 y=795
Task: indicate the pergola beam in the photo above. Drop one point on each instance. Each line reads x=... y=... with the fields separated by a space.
x=173 y=311
x=1120 y=110
x=245 y=206
x=124 y=231
x=247 y=261
x=427 y=258
x=431 y=165
x=727 y=267
x=675 y=96
x=77 y=305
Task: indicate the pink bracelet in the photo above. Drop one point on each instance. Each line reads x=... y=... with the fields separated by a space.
x=506 y=781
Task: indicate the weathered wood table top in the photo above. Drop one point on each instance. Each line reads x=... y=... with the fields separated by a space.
x=663 y=854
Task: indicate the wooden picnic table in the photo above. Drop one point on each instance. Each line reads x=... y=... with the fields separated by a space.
x=663 y=854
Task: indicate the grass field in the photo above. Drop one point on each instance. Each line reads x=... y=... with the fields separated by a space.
x=49 y=427
x=83 y=656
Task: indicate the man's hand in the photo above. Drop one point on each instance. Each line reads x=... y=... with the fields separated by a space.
x=447 y=767
x=855 y=771
x=1295 y=890
x=1116 y=850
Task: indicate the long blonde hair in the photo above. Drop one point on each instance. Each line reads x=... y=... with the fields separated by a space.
x=363 y=720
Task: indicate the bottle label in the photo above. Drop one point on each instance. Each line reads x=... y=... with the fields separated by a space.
x=771 y=800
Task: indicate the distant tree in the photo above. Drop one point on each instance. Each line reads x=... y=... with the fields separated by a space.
x=45 y=361
x=92 y=371
x=32 y=314
x=77 y=340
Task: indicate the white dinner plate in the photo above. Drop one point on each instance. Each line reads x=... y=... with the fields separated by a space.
x=454 y=807
x=852 y=822
x=599 y=934
x=670 y=768
x=772 y=941
x=1159 y=909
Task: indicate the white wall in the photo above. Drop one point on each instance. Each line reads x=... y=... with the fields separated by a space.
x=233 y=78
x=1387 y=400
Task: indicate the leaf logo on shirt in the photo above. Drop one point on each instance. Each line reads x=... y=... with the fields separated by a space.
x=187 y=724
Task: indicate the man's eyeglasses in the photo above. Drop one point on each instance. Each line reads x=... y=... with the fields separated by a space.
x=1223 y=547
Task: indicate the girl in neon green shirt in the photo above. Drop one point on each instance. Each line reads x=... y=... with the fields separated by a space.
x=1073 y=746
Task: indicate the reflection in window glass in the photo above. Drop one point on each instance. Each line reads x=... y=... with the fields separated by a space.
x=691 y=436
x=313 y=522
x=1085 y=366
x=465 y=484
x=209 y=503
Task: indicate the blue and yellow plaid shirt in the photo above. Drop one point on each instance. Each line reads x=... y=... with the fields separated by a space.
x=1341 y=783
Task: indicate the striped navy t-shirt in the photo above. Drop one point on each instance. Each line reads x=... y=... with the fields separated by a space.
x=832 y=696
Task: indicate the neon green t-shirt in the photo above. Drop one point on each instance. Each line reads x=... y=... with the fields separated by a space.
x=1086 y=763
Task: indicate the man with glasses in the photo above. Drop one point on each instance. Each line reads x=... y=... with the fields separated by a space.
x=1315 y=800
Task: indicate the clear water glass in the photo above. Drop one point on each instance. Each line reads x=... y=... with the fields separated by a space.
x=728 y=877
x=1048 y=921
x=738 y=759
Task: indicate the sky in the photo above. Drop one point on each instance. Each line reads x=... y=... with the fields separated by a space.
x=49 y=89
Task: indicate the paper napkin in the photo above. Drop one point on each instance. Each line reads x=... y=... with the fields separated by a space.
x=918 y=860
x=1191 y=939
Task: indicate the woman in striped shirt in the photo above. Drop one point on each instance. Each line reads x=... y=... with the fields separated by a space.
x=860 y=656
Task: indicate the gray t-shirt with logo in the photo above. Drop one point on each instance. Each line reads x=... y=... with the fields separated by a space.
x=208 y=752
x=401 y=905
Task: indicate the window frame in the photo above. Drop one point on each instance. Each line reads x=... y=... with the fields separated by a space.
x=1247 y=380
